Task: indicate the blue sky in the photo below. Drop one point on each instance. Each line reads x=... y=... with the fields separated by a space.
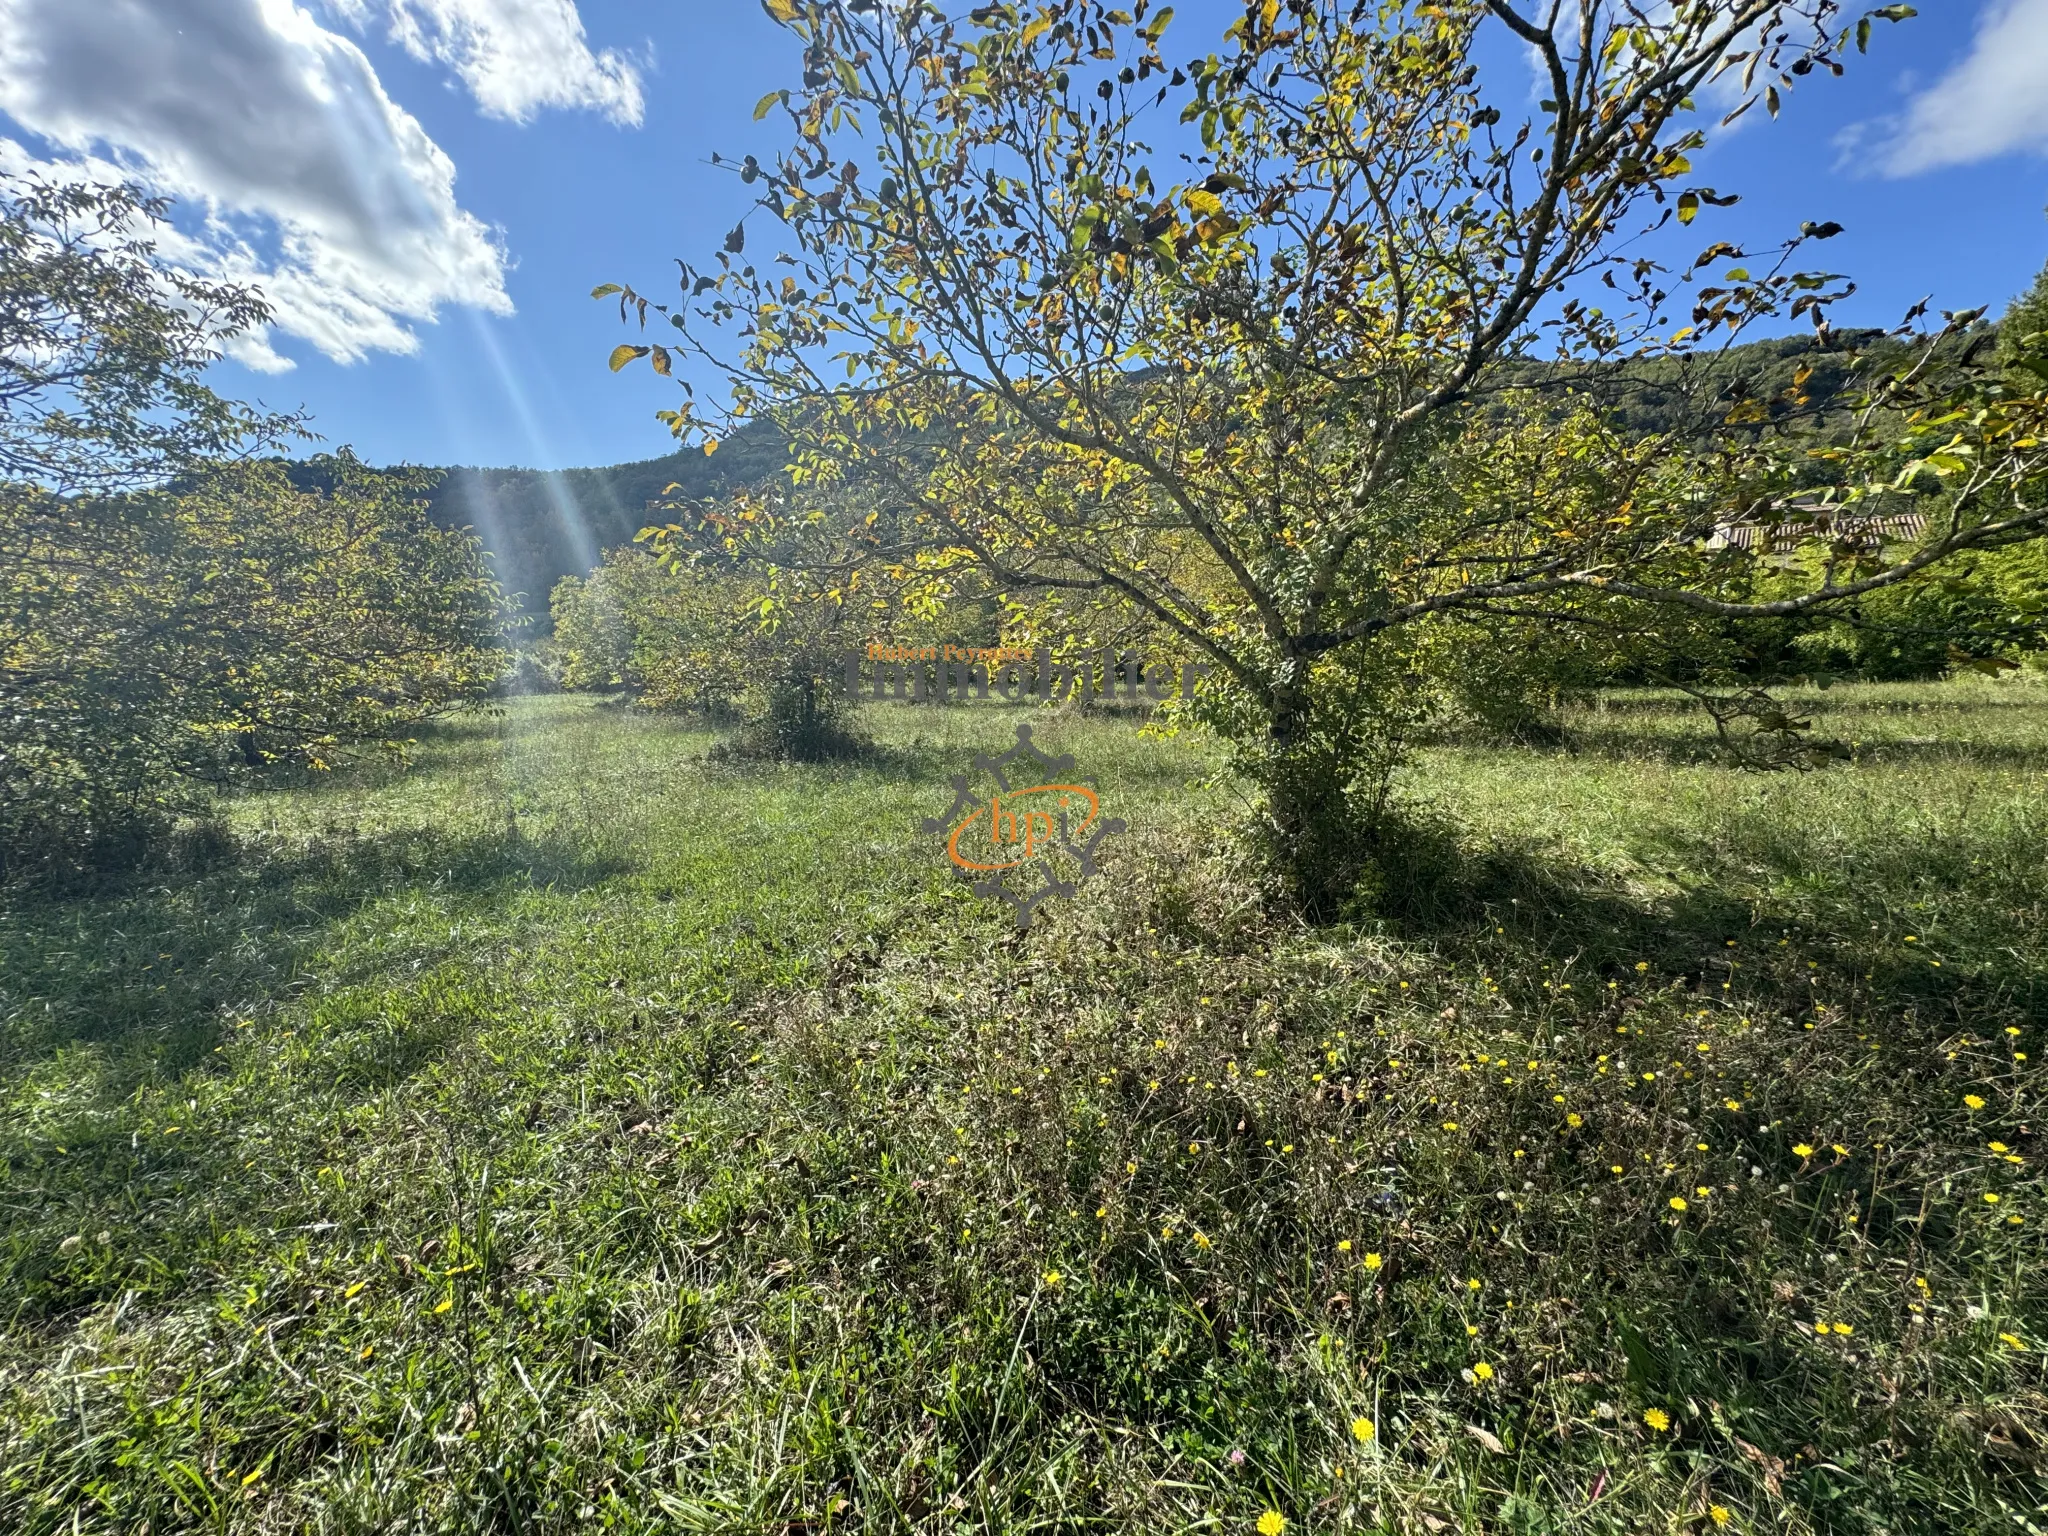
x=430 y=188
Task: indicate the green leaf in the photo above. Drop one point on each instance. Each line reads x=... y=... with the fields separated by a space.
x=623 y=354
x=1688 y=207
x=767 y=104
x=603 y=289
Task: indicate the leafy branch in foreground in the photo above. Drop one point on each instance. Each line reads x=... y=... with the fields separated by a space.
x=103 y=344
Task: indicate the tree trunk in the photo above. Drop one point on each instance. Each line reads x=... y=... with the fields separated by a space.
x=1316 y=844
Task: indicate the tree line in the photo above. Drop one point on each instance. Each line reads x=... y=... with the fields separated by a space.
x=180 y=608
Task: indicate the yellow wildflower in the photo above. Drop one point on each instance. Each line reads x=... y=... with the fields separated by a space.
x=1361 y=1430
x=1657 y=1419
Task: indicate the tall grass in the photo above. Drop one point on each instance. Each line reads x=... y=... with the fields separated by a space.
x=572 y=1132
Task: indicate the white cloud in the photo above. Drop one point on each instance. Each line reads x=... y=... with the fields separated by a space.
x=293 y=167
x=516 y=56
x=1994 y=102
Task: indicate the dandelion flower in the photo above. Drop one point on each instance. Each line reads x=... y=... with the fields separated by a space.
x=1194 y=1146
x=1372 y=1261
x=1657 y=1419
x=1574 y=1121
x=2012 y=1339
x=1344 y=1245
x=1844 y=1328
x=1971 y=1101
x=1678 y=1202
x=1450 y=1125
x=1362 y=1430
x=1482 y=1371
x=1272 y=1523
x=1801 y=1149
x=1718 y=1513
x=1989 y=1198
x=1202 y=1242
x=1166 y=1234
x=1471 y=1285
x=1731 y=1103
x=1052 y=1277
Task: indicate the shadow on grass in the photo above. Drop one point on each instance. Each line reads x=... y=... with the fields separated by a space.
x=149 y=971
x=1741 y=887
x=1618 y=742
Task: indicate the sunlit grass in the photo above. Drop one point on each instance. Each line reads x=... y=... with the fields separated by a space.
x=572 y=1133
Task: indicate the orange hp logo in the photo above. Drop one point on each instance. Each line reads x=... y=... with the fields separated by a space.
x=1036 y=818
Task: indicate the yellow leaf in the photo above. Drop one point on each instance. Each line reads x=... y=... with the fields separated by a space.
x=623 y=354
x=1270 y=14
x=780 y=10
x=1042 y=24
x=766 y=105
x=1688 y=206
x=710 y=446
x=1208 y=204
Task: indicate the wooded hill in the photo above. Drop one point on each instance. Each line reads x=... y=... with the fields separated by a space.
x=542 y=525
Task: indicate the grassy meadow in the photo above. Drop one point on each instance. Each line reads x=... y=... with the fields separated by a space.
x=571 y=1132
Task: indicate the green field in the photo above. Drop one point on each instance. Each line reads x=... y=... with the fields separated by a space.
x=568 y=1132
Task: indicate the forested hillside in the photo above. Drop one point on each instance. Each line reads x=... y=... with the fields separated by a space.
x=542 y=525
